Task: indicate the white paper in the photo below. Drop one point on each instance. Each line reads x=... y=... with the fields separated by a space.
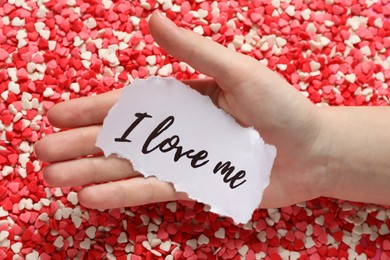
x=214 y=136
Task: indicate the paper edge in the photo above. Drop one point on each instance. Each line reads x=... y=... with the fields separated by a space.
x=177 y=186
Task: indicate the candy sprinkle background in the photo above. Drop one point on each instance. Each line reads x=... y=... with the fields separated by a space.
x=334 y=52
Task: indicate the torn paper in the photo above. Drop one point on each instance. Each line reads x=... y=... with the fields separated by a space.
x=170 y=131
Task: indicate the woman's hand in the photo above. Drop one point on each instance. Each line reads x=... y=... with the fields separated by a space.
x=240 y=85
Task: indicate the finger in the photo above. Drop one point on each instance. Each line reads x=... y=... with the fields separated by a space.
x=131 y=192
x=87 y=171
x=227 y=67
x=68 y=145
x=82 y=111
x=207 y=87
x=92 y=110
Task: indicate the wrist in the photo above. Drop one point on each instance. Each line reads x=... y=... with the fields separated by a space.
x=323 y=159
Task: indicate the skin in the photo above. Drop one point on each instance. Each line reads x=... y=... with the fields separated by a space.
x=315 y=157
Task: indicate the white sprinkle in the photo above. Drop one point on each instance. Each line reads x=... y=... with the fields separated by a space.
x=203 y=240
x=176 y=8
x=44 y=217
x=66 y=212
x=280 y=41
x=381 y=215
x=172 y=206
x=246 y=48
x=262 y=236
x=145 y=219
x=12 y=73
x=294 y=255
x=379 y=76
x=154 y=241
x=354 y=39
x=347 y=239
x=7 y=170
x=86 y=244
x=4 y=95
x=156 y=253
x=65 y=96
x=275 y=3
x=113 y=59
x=165 y=70
x=282 y=67
x=306 y=14
x=366 y=50
x=59 y=242
x=328 y=23
x=52 y=45
x=72 y=198
x=122 y=238
x=384 y=230
x=290 y=10
x=107 y=4
x=240 y=17
x=45 y=34
x=264 y=47
x=23 y=159
x=30 y=68
x=311 y=27
x=146 y=245
x=25 y=147
x=48 y=92
x=58 y=192
x=192 y=243
x=378 y=22
x=152 y=227
x=350 y=78
x=58 y=214
x=199 y=30
x=41 y=69
x=87 y=55
x=18 y=22
x=151 y=60
x=243 y=250
x=91 y=23
x=109 y=248
x=315 y=66
x=71 y=2
x=91 y=232
x=309 y=243
x=34 y=255
x=135 y=20
x=220 y=233
x=324 y=41
x=99 y=44
x=16 y=247
x=14 y=87
x=362 y=256
x=77 y=42
x=45 y=202
x=129 y=248
x=167 y=5
x=284 y=254
x=75 y=87
x=76 y=220
x=202 y=13
x=165 y=246
x=3 y=235
x=215 y=27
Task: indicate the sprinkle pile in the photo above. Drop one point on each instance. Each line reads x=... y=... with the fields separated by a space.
x=335 y=52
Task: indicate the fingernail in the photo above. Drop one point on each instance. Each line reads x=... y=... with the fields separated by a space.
x=166 y=19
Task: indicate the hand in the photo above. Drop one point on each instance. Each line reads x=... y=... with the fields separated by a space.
x=240 y=85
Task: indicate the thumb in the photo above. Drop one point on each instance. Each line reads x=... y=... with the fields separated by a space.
x=227 y=67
